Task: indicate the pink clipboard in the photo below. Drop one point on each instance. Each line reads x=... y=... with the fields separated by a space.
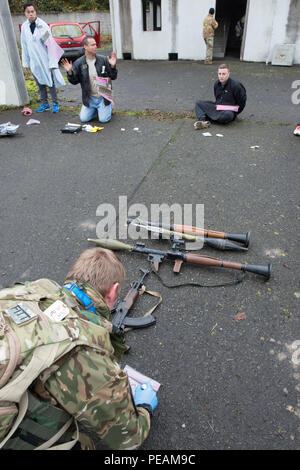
x=227 y=107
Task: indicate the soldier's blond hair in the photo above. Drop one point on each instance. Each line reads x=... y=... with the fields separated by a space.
x=100 y=267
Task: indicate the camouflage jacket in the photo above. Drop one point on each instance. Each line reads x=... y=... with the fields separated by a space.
x=209 y=26
x=91 y=386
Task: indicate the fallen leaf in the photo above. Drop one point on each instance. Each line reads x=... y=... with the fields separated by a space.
x=240 y=316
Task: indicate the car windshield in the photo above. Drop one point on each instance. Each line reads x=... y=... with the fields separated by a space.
x=66 y=31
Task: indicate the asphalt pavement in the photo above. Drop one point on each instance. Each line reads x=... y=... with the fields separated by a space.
x=227 y=358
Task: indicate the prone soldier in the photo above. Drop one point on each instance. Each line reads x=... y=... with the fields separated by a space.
x=83 y=382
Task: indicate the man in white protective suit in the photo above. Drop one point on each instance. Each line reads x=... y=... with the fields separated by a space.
x=41 y=54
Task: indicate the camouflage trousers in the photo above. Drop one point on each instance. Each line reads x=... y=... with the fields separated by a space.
x=209 y=49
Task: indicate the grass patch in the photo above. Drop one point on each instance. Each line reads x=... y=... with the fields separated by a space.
x=158 y=115
x=4 y=108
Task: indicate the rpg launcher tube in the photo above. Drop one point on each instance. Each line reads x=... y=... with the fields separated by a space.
x=202 y=260
x=235 y=237
x=257 y=269
x=202 y=232
x=239 y=237
x=216 y=243
x=215 y=262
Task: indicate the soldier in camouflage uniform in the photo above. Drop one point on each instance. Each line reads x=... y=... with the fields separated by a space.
x=209 y=26
x=87 y=383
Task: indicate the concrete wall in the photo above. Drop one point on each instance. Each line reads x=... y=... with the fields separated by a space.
x=79 y=17
x=270 y=22
x=13 y=90
x=190 y=41
x=181 y=30
x=150 y=44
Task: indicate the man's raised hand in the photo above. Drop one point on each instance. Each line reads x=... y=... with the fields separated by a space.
x=67 y=65
x=112 y=59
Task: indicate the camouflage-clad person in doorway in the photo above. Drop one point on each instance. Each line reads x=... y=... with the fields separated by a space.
x=209 y=26
x=87 y=382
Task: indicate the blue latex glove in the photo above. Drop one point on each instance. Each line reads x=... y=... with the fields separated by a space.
x=144 y=394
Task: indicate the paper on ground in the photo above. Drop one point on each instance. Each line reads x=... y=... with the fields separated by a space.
x=32 y=121
x=136 y=378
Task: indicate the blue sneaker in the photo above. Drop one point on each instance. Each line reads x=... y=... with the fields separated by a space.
x=55 y=108
x=43 y=107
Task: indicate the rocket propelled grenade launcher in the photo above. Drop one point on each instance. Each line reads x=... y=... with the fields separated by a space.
x=196 y=231
x=178 y=256
x=217 y=243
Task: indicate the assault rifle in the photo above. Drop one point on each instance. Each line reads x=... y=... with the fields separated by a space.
x=216 y=243
x=196 y=231
x=178 y=256
x=120 y=321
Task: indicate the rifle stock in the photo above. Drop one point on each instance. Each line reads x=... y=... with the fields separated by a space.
x=119 y=320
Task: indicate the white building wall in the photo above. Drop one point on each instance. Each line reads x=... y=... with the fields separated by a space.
x=191 y=14
x=115 y=28
x=13 y=90
x=182 y=30
x=266 y=27
x=297 y=51
x=149 y=45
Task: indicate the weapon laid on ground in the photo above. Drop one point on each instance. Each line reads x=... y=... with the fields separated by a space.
x=217 y=243
x=175 y=254
x=202 y=232
x=120 y=321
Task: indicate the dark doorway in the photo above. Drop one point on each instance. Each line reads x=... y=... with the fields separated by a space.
x=230 y=14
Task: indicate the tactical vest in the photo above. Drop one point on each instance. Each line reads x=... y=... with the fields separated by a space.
x=39 y=324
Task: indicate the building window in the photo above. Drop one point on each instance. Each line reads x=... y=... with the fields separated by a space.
x=151 y=15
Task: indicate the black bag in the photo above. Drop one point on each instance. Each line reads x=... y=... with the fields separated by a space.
x=71 y=129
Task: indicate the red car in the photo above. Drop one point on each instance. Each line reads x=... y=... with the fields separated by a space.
x=69 y=36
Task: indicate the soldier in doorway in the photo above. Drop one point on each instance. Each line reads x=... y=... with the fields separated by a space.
x=209 y=26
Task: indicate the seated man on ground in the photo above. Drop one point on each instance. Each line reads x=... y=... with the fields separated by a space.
x=230 y=101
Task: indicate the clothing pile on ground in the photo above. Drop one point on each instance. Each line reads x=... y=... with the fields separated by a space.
x=8 y=128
